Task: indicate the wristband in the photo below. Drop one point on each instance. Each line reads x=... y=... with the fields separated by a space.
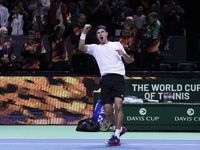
x=83 y=36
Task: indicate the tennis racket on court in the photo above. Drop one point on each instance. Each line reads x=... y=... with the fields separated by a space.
x=105 y=124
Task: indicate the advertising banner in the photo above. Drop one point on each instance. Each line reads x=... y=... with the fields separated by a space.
x=162 y=114
x=183 y=91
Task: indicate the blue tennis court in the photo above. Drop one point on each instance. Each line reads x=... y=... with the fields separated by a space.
x=65 y=137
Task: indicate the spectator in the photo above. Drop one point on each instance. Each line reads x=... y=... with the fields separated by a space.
x=4 y=14
x=153 y=44
x=112 y=4
x=31 y=52
x=58 y=46
x=80 y=60
x=39 y=39
x=89 y=5
x=75 y=8
x=6 y=51
x=38 y=8
x=57 y=8
x=166 y=8
x=173 y=21
x=24 y=4
x=140 y=19
x=137 y=34
x=18 y=17
x=102 y=14
x=119 y=16
x=155 y=7
x=130 y=45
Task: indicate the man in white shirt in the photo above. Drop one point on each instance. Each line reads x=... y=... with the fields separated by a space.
x=109 y=59
x=4 y=14
x=140 y=19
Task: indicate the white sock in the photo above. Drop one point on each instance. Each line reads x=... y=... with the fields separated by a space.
x=121 y=129
x=114 y=127
x=117 y=133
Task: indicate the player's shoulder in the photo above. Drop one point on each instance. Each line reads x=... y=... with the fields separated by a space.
x=92 y=45
x=114 y=42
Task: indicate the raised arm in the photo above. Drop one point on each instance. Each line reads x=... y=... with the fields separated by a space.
x=82 y=45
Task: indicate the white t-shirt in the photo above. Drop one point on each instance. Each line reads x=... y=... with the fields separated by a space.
x=108 y=59
x=139 y=21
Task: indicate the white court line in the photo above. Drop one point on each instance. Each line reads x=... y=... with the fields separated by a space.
x=96 y=144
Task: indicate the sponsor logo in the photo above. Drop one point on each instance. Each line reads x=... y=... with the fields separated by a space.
x=142 y=117
x=190 y=112
x=142 y=111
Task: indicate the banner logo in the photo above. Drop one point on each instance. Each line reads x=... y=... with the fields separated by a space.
x=190 y=111
x=142 y=111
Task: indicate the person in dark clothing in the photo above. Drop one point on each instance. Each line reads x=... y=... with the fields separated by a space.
x=137 y=34
x=173 y=21
x=35 y=26
x=31 y=52
x=153 y=44
x=102 y=14
x=119 y=16
x=130 y=45
x=58 y=46
x=6 y=51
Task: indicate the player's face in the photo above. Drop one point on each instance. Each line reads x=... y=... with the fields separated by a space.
x=131 y=22
x=82 y=20
x=35 y=26
x=31 y=38
x=121 y=3
x=4 y=32
x=127 y=30
x=152 y=20
x=102 y=36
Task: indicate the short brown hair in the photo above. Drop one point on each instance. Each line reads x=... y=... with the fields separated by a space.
x=153 y=14
x=31 y=32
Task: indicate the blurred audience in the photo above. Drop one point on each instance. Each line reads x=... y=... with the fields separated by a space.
x=153 y=44
x=119 y=16
x=18 y=18
x=6 y=51
x=35 y=26
x=130 y=45
x=4 y=14
x=102 y=14
x=80 y=60
x=173 y=21
x=24 y=3
x=75 y=8
x=31 y=52
x=59 y=54
x=57 y=8
x=38 y=8
x=137 y=34
x=166 y=8
x=43 y=17
x=140 y=19
x=155 y=7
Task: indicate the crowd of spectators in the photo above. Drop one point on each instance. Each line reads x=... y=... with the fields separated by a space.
x=61 y=18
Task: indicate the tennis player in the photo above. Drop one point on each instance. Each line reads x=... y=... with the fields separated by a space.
x=109 y=59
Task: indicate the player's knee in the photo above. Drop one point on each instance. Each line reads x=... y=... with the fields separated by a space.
x=108 y=112
x=118 y=108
